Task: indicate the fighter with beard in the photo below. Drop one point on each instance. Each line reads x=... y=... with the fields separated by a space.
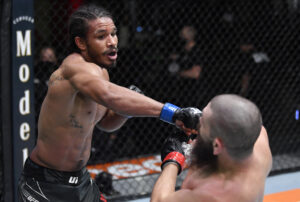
x=80 y=97
x=230 y=159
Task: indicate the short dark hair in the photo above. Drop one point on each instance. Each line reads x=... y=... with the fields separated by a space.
x=237 y=122
x=78 y=22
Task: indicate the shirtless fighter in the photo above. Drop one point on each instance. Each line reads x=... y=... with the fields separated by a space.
x=230 y=159
x=80 y=97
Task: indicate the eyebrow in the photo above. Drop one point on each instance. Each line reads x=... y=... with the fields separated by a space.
x=99 y=31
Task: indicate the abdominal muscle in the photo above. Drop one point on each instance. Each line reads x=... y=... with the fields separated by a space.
x=63 y=150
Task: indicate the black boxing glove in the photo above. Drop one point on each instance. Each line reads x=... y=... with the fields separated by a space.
x=189 y=116
x=172 y=150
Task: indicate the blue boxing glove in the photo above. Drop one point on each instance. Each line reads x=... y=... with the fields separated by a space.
x=189 y=116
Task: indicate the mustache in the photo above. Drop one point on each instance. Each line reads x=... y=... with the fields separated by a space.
x=112 y=49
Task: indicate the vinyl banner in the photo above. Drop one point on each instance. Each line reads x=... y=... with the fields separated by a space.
x=23 y=116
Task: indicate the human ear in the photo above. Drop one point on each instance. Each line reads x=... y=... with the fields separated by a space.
x=80 y=42
x=217 y=146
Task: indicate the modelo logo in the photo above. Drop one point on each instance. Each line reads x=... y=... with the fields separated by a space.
x=129 y=168
x=23 y=61
x=24 y=49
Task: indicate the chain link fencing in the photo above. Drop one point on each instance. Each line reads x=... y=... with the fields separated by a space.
x=186 y=52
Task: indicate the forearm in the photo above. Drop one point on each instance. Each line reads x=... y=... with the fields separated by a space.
x=111 y=122
x=165 y=185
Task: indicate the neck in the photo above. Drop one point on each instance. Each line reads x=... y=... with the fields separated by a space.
x=228 y=165
x=85 y=56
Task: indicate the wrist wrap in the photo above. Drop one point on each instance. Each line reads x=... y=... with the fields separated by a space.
x=167 y=112
x=175 y=157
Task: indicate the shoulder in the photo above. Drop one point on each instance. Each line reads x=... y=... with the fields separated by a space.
x=262 y=141
x=262 y=149
x=196 y=188
x=75 y=63
x=218 y=190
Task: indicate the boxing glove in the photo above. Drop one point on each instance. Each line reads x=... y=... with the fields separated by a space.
x=189 y=116
x=173 y=151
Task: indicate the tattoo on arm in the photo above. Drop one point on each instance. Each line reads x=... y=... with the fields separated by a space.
x=74 y=122
x=55 y=79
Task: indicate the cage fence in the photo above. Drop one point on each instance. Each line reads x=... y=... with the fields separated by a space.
x=186 y=52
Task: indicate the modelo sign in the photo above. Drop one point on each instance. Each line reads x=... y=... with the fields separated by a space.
x=22 y=84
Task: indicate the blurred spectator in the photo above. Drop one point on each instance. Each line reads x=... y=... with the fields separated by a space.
x=47 y=54
x=253 y=72
x=187 y=61
x=124 y=33
x=185 y=67
x=43 y=68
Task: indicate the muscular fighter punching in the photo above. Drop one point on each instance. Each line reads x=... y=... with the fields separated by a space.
x=80 y=97
x=230 y=159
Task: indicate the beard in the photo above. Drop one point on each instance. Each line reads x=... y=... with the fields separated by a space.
x=113 y=64
x=95 y=57
x=202 y=156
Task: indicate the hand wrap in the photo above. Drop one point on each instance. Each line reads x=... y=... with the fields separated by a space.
x=172 y=150
x=189 y=116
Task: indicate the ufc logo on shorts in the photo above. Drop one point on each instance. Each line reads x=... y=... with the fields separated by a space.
x=73 y=180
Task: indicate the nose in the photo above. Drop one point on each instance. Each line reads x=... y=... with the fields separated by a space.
x=112 y=40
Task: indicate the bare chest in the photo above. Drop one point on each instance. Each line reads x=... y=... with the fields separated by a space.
x=87 y=111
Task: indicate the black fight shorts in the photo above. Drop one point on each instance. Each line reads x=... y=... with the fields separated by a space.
x=40 y=184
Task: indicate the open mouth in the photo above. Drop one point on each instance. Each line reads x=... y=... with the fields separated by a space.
x=112 y=55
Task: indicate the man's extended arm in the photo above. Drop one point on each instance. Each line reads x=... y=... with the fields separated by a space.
x=173 y=162
x=88 y=79
x=111 y=121
x=110 y=95
x=165 y=184
x=164 y=188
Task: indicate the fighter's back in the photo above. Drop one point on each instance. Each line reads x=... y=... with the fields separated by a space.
x=245 y=187
x=66 y=122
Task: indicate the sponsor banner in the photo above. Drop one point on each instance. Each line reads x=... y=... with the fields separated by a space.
x=128 y=168
x=23 y=115
x=289 y=195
